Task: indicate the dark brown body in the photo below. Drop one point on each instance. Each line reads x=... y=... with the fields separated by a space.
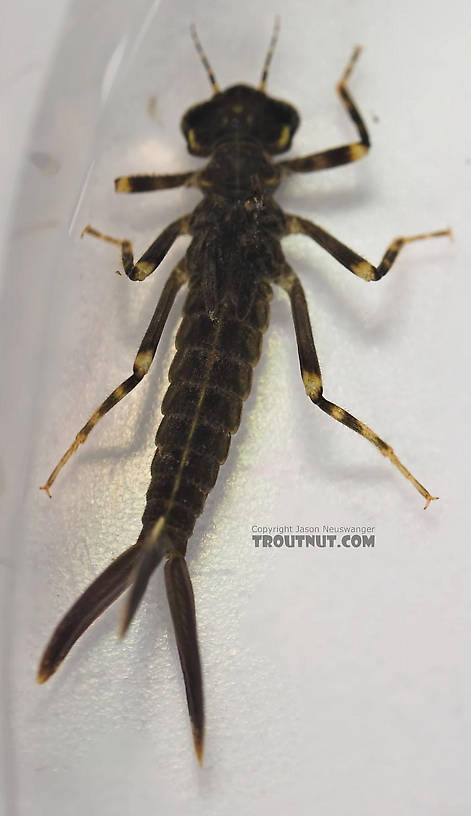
x=210 y=377
x=234 y=253
x=233 y=260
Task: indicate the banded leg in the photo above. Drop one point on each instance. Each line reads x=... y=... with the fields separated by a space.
x=149 y=183
x=97 y=597
x=142 y=363
x=182 y=607
x=346 y=256
x=311 y=374
x=337 y=155
x=153 y=256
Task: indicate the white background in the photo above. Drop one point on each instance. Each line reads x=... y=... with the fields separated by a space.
x=336 y=681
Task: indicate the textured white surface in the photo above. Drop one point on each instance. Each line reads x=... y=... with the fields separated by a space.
x=336 y=681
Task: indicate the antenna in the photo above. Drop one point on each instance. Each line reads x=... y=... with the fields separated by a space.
x=204 y=59
x=268 y=58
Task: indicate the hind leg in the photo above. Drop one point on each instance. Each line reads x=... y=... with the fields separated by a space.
x=142 y=363
x=311 y=374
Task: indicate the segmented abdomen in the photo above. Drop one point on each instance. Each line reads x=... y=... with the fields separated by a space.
x=210 y=377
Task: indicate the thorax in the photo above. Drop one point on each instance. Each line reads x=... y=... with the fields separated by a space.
x=238 y=169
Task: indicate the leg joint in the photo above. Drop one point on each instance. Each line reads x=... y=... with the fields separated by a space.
x=141 y=270
x=313 y=385
x=142 y=363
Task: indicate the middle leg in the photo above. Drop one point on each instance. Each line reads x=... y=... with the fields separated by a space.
x=311 y=374
x=153 y=256
x=346 y=256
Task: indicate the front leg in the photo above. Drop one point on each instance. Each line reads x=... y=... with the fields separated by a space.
x=153 y=256
x=149 y=183
x=337 y=155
